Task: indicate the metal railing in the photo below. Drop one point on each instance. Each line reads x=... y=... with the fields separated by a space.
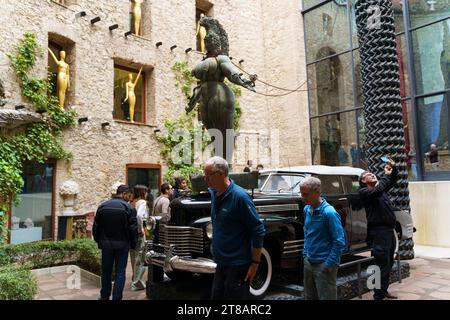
x=358 y=262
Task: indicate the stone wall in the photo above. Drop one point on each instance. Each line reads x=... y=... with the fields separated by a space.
x=268 y=36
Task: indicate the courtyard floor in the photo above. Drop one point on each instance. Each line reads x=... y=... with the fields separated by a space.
x=429 y=280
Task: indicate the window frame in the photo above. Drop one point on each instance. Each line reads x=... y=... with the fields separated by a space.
x=144 y=166
x=144 y=96
x=53 y=230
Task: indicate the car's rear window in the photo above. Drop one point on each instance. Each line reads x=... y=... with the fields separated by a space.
x=330 y=184
x=351 y=184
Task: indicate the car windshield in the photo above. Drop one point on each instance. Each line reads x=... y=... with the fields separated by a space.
x=279 y=183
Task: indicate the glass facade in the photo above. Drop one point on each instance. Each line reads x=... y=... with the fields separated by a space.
x=338 y=134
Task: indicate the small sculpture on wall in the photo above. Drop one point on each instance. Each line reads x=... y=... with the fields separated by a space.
x=131 y=96
x=137 y=16
x=68 y=192
x=63 y=78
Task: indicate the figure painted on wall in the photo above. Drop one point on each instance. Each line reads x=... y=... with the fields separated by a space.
x=201 y=34
x=215 y=97
x=63 y=78
x=131 y=96
x=137 y=16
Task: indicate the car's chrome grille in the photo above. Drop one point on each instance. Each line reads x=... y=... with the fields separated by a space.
x=187 y=240
x=293 y=247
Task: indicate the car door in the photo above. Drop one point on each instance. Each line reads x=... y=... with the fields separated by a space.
x=333 y=192
x=357 y=212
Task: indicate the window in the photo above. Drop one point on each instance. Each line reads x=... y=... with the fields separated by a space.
x=148 y=175
x=202 y=7
x=63 y=72
x=434 y=130
x=283 y=183
x=351 y=184
x=330 y=84
x=32 y=218
x=422 y=12
x=333 y=137
x=431 y=46
x=331 y=31
x=133 y=109
x=330 y=184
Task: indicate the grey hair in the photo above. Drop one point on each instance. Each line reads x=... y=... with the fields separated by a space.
x=311 y=183
x=219 y=164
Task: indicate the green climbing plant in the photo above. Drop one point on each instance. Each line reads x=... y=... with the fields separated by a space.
x=37 y=141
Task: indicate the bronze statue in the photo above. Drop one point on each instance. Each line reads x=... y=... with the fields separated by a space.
x=215 y=97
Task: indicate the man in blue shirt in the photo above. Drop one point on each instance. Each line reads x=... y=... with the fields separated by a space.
x=324 y=243
x=238 y=233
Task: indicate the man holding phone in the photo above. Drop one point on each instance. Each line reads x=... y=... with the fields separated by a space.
x=380 y=221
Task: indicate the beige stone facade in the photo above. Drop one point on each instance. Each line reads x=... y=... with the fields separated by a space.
x=267 y=35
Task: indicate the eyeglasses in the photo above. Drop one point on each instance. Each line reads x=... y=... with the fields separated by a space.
x=207 y=176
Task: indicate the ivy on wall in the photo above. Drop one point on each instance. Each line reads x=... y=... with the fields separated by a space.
x=37 y=141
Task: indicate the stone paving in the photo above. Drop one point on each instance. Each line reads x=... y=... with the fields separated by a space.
x=429 y=280
x=53 y=287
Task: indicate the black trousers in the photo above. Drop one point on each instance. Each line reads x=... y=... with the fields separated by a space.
x=229 y=284
x=383 y=243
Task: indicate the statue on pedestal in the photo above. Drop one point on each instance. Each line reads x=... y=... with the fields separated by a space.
x=215 y=97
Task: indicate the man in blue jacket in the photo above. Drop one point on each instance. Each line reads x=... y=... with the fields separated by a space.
x=324 y=243
x=115 y=230
x=238 y=233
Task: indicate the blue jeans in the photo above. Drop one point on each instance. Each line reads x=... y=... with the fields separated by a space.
x=117 y=258
x=229 y=284
x=319 y=283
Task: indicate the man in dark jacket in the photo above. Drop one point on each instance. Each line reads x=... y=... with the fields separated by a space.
x=380 y=222
x=115 y=231
x=238 y=233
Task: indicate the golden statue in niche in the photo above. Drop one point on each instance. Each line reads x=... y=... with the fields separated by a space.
x=201 y=34
x=131 y=96
x=137 y=16
x=63 y=78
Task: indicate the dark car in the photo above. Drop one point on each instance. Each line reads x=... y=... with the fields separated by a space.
x=183 y=246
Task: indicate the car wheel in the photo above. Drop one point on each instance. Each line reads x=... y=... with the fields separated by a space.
x=261 y=281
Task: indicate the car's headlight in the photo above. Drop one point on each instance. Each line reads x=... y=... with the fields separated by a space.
x=209 y=231
x=150 y=223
